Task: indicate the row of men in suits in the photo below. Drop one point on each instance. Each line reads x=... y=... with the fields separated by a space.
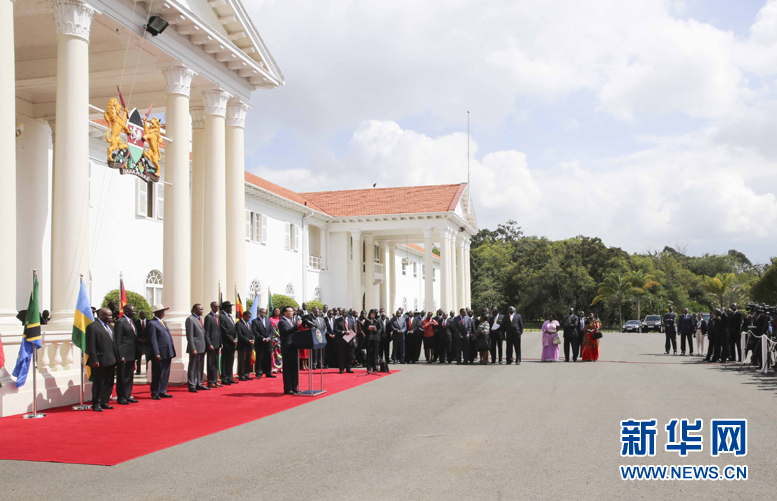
x=111 y=349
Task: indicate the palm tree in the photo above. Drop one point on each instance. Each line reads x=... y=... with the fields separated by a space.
x=641 y=283
x=720 y=286
x=615 y=287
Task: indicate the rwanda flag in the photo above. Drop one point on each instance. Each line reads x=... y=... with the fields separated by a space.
x=31 y=339
x=83 y=317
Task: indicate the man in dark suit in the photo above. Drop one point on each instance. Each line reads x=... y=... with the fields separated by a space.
x=686 y=326
x=213 y=344
x=162 y=351
x=398 y=332
x=571 y=325
x=462 y=327
x=670 y=331
x=314 y=320
x=245 y=347
x=442 y=333
x=141 y=347
x=513 y=333
x=735 y=320
x=290 y=353
x=228 y=343
x=102 y=359
x=330 y=352
x=125 y=337
x=195 y=347
x=384 y=353
x=495 y=335
x=262 y=330
x=345 y=324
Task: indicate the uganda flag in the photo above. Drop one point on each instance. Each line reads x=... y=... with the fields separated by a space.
x=31 y=338
x=83 y=317
x=122 y=297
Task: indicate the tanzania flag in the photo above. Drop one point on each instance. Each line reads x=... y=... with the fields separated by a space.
x=31 y=339
x=83 y=317
x=123 y=300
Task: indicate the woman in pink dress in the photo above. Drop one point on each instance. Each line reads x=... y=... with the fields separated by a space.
x=549 y=332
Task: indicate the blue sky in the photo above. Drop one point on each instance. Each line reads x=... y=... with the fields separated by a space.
x=646 y=123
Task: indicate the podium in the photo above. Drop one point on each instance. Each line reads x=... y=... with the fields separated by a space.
x=310 y=339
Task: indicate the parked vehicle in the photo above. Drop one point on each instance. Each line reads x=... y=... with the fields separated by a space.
x=631 y=326
x=652 y=323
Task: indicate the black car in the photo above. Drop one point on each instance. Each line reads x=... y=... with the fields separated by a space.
x=652 y=323
x=631 y=326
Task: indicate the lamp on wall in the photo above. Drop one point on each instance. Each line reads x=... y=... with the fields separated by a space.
x=156 y=25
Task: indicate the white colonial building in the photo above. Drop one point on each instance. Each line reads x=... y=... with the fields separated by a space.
x=207 y=223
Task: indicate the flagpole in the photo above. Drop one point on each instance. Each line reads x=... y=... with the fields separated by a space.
x=35 y=413
x=81 y=406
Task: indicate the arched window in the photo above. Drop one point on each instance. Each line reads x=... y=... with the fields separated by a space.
x=255 y=290
x=415 y=304
x=404 y=304
x=154 y=287
x=317 y=294
x=290 y=290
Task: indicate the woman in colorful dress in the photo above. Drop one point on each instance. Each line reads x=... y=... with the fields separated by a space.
x=482 y=342
x=277 y=359
x=591 y=337
x=549 y=333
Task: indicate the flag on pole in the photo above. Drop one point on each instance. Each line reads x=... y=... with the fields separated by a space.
x=221 y=299
x=123 y=300
x=254 y=308
x=83 y=317
x=270 y=307
x=31 y=338
x=238 y=306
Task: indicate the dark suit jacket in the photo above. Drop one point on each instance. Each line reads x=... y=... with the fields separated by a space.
x=330 y=326
x=160 y=338
x=398 y=326
x=686 y=324
x=516 y=326
x=344 y=324
x=244 y=336
x=212 y=334
x=462 y=328
x=125 y=338
x=735 y=323
x=227 y=329
x=195 y=335
x=99 y=345
x=262 y=332
x=286 y=328
x=496 y=333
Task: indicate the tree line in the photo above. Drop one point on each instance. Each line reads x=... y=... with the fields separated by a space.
x=540 y=276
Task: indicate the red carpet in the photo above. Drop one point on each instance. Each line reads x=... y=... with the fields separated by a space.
x=118 y=435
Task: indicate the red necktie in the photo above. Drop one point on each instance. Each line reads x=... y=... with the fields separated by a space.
x=200 y=320
x=217 y=319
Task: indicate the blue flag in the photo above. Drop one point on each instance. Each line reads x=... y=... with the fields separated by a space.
x=254 y=308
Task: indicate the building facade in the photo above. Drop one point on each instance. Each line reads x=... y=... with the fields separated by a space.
x=207 y=224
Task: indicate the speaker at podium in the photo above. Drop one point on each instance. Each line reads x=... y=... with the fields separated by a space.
x=310 y=339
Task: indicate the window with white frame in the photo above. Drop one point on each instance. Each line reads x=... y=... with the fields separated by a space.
x=415 y=270
x=317 y=294
x=293 y=235
x=423 y=271
x=404 y=304
x=404 y=268
x=290 y=290
x=255 y=290
x=256 y=227
x=154 y=287
x=415 y=304
x=150 y=199
x=377 y=253
x=434 y=274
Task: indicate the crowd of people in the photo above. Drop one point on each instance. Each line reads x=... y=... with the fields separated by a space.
x=722 y=331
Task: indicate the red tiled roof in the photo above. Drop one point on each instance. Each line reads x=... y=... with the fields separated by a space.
x=379 y=201
x=421 y=249
x=280 y=191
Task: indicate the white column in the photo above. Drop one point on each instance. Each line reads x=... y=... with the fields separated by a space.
x=369 y=272
x=460 y=272
x=453 y=283
x=8 y=167
x=176 y=235
x=384 y=299
x=392 y=278
x=356 y=271
x=429 y=271
x=445 y=296
x=236 y=198
x=214 y=248
x=70 y=198
x=198 y=201
x=467 y=274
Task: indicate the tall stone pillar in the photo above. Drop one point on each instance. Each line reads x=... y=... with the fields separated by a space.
x=460 y=272
x=467 y=274
x=429 y=273
x=453 y=282
x=356 y=271
x=392 y=278
x=236 y=199
x=8 y=168
x=176 y=257
x=70 y=197
x=198 y=201
x=445 y=296
x=384 y=299
x=369 y=272
x=214 y=248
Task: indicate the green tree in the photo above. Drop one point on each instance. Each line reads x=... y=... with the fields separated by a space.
x=281 y=301
x=616 y=288
x=720 y=287
x=136 y=300
x=764 y=290
x=641 y=284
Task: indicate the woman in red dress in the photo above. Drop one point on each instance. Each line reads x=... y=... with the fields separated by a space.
x=591 y=338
